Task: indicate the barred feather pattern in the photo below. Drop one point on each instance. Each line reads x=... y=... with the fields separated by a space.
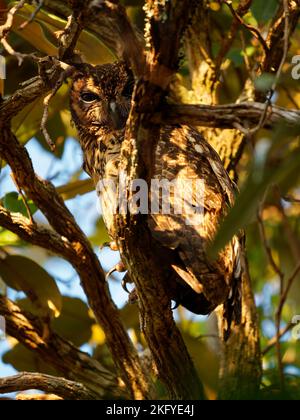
x=181 y=154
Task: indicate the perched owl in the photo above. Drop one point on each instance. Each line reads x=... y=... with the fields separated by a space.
x=100 y=102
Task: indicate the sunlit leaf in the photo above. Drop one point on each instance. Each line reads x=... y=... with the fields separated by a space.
x=25 y=275
x=100 y=236
x=8 y=238
x=74 y=323
x=73 y=189
x=42 y=34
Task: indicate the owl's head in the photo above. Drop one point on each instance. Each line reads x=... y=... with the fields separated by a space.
x=101 y=97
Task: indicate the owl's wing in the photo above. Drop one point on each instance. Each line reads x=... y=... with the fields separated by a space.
x=203 y=191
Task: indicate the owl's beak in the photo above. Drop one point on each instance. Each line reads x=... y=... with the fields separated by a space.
x=117 y=120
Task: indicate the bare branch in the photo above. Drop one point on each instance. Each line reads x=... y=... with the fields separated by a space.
x=34 y=14
x=87 y=264
x=245 y=114
x=68 y=390
x=5 y=29
x=251 y=28
x=166 y=24
x=227 y=42
x=272 y=343
x=59 y=353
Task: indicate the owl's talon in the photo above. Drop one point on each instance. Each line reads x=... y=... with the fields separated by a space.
x=112 y=271
x=126 y=280
x=119 y=268
x=124 y=285
x=112 y=245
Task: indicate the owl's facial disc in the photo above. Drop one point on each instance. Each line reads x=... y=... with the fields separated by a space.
x=101 y=97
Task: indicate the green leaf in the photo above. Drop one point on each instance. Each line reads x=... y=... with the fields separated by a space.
x=264 y=82
x=264 y=10
x=23 y=274
x=27 y=123
x=100 y=236
x=24 y=360
x=236 y=56
x=15 y=204
x=8 y=238
x=74 y=323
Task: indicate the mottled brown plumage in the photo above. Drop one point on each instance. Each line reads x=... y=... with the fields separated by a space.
x=100 y=104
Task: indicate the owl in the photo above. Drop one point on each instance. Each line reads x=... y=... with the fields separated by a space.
x=100 y=101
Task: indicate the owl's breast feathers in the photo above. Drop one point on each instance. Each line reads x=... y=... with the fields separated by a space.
x=184 y=157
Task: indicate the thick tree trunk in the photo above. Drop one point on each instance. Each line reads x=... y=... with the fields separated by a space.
x=240 y=358
x=241 y=370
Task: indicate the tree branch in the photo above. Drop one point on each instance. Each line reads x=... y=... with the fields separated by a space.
x=68 y=390
x=244 y=115
x=59 y=353
x=86 y=263
x=166 y=24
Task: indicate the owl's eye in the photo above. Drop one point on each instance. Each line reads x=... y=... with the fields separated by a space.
x=89 y=97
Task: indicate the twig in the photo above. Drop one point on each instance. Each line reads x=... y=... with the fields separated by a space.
x=278 y=73
x=273 y=341
x=251 y=28
x=69 y=37
x=242 y=115
x=6 y=27
x=19 y=56
x=291 y=199
x=280 y=274
x=33 y=15
x=267 y=247
x=227 y=42
x=283 y=297
x=46 y=104
x=287 y=289
x=284 y=292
